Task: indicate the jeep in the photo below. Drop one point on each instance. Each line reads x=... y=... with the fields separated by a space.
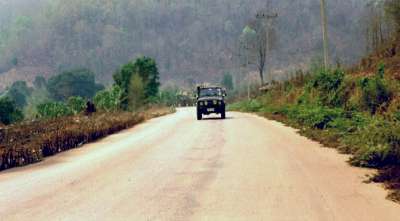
x=210 y=100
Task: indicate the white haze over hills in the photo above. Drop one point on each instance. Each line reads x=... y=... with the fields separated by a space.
x=192 y=40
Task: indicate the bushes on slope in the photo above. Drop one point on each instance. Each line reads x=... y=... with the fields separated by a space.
x=344 y=105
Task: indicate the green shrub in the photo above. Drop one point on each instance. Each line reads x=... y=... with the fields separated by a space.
x=342 y=124
x=317 y=117
x=327 y=83
x=350 y=122
x=247 y=106
x=76 y=104
x=375 y=145
x=109 y=100
x=9 y=113
x=235 y=106
x=254 y=106
x=375 y=92
x=304 y=98
x=372 y=156
x=53 y=110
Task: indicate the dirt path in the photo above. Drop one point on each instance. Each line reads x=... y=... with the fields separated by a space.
x=176 y=168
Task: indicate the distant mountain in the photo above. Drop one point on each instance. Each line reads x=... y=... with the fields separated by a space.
x=27 y=74
x=192 y=40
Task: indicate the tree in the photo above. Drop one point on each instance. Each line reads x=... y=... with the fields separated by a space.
x=392 y=8
x=136 y=92
x=247 y=49
x=73 y=83
x=147 y=70
x=14 y=62
x=261 y=49
x=9 y=113
x=19 y=92
x=39 y=82
x=266 y=39
x=247 y=40
x=38 y=96
x=376 y=27
x=227 y=81
x=259 y=40
x=170 y=95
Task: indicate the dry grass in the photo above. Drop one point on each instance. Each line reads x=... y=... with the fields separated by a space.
x=30 y=142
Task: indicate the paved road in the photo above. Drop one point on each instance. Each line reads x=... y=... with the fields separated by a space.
x=176 y=168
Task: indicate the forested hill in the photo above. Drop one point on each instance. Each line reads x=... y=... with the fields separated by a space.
x=192 y=40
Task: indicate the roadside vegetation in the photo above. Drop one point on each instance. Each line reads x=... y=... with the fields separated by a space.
x=29 y=142
x=71 y=109
x=359 y=115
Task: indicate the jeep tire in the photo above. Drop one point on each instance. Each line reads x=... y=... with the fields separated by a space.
x=199 y=115
x=223 y=115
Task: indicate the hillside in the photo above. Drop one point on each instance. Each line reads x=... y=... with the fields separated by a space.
x=388 y=54
x=26 y=73
x=191 y=40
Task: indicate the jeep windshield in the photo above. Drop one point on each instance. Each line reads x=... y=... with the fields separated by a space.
x=210 y=92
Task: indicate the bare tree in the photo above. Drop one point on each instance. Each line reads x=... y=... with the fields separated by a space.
x=263 y=41
x=377 y=29
x=265 y=37
x=247 y=38
x=261 y=47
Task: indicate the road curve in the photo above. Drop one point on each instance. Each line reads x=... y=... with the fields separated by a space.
x=177 y=168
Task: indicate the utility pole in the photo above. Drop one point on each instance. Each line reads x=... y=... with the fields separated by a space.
x=248 y=73
x=324 y=34
x=267 y=17
x=243 y=67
